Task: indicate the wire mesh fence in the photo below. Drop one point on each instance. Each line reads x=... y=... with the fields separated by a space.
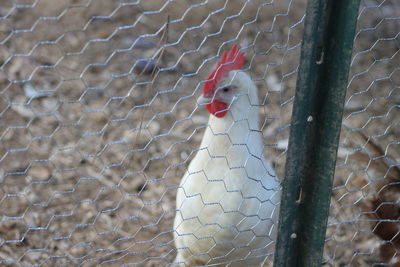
x=99 y=120
x=363 y=229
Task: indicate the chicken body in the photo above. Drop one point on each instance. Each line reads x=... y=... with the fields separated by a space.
x=228 y=200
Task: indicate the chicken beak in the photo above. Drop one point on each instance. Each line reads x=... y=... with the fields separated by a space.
x=202 y=100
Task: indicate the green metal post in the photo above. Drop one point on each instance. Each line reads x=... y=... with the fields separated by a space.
x=316 y=121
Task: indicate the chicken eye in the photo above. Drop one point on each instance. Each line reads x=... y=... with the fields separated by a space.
x=225 y=89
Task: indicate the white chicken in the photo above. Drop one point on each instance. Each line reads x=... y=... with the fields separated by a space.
x=228 y=200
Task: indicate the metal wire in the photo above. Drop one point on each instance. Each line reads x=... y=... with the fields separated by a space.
x=99 y=120
x=362 y=230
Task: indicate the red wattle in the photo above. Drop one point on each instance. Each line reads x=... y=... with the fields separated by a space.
x=217 y=108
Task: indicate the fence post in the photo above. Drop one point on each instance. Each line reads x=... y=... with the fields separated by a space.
x=316 y=121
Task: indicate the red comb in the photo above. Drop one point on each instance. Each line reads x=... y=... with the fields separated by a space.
x=233 y=60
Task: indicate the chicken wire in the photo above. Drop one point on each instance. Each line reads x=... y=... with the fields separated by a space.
x=99 y=120
x=364 y=224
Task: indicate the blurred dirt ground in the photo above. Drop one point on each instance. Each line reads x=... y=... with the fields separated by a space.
x=98 y=119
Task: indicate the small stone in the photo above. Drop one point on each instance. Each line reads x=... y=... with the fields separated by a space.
x=39 y=173
x=143 y=43
x=23 y=110
x=146 y=65
x=184 y=155
x=154 y=128
x=200 y=119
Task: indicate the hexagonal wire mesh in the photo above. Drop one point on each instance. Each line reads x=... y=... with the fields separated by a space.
x=363 y=229
x=99 y=120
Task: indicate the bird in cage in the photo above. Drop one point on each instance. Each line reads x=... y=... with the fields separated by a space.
x=228 y=200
